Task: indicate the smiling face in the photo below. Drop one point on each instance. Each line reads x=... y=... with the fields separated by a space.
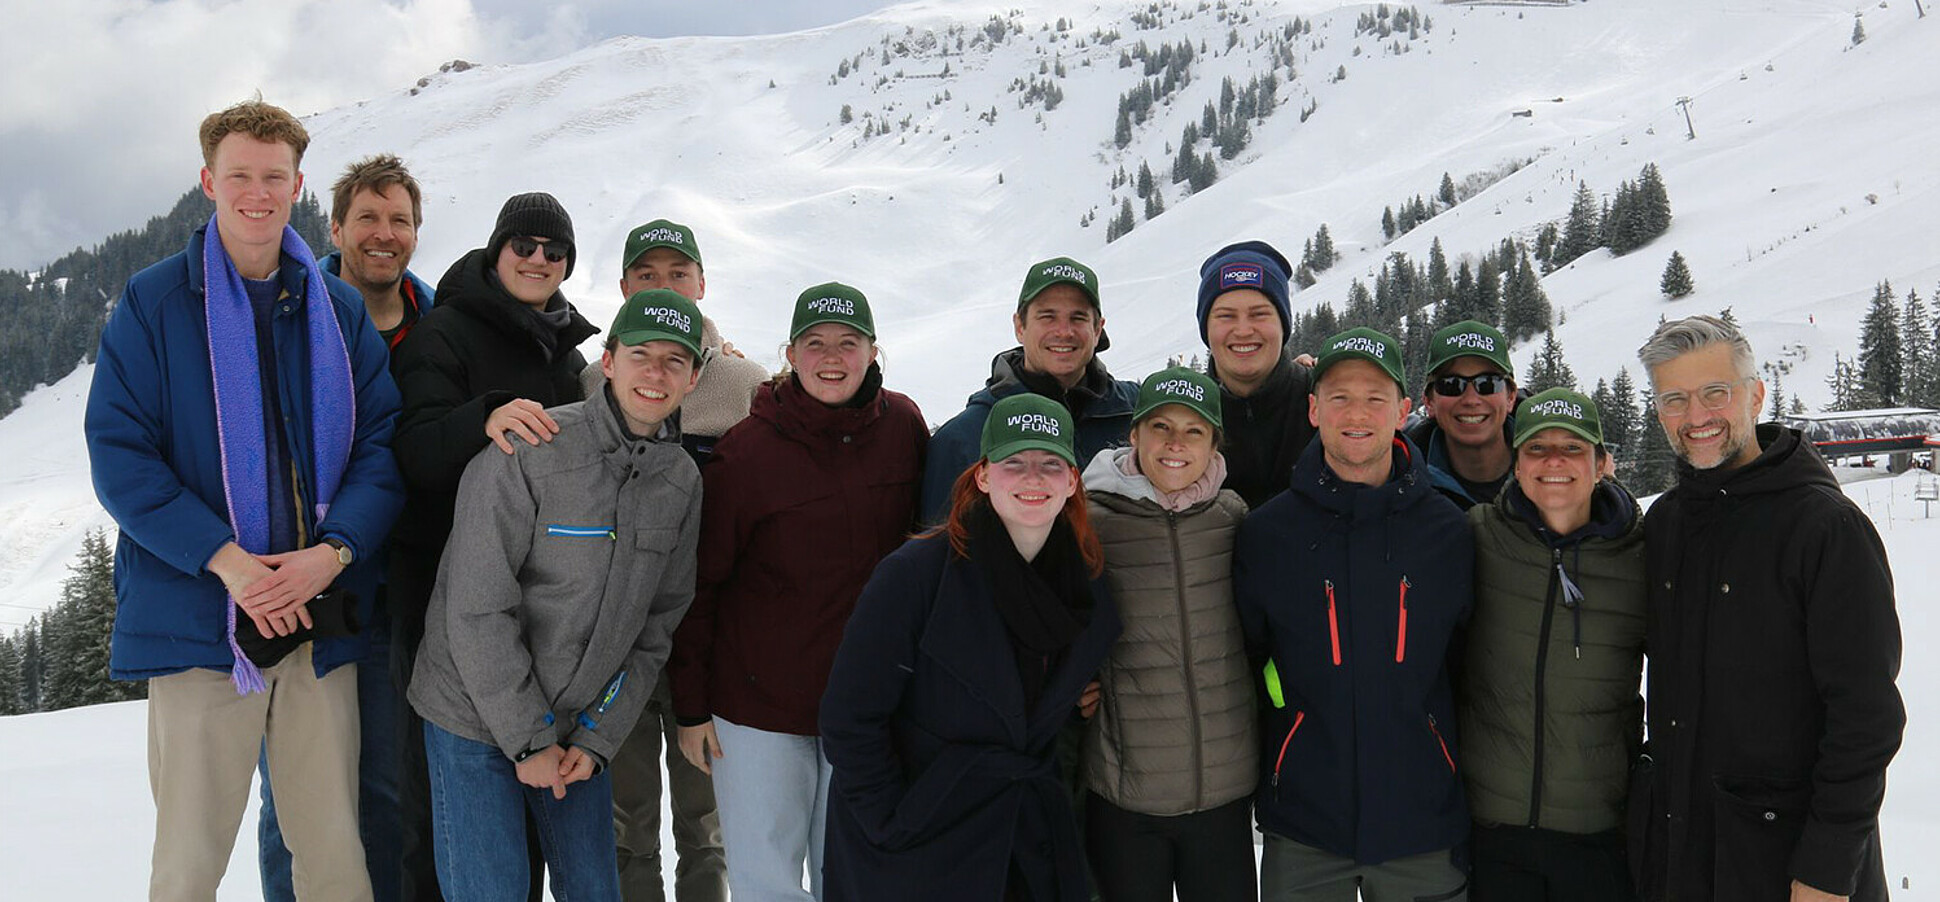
x=377 y=236
x=253 y=183
x=1028 y=489
x=1557 y=471
x=1473 y=420
x=1059 y=330
x=1706 y=438
x=831 y=360
x=1244 y=333
x=649 y=380
x=531 y=279
x=1356 y=410
x=664 y=267
x=1174 y=445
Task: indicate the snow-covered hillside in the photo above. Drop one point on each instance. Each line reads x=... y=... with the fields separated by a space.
x=78 y=822
x=1815 y=172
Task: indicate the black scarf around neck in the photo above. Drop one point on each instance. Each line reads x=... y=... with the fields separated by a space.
x=1045 y=603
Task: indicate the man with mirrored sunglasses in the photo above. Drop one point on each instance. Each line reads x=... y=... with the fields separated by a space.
x=1468 y=401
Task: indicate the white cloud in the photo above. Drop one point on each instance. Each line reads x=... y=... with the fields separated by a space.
x=104 y=96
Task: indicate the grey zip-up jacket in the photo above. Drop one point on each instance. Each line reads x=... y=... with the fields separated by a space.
x=1176 y=732
x=569 y=567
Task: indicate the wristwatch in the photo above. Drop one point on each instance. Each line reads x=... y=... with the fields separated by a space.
x=344 y=555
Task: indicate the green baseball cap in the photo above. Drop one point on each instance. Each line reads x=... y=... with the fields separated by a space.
x=1363 y=343
x=832 y=302
x=1470 y=338
x=659 y=314
x=1558 y=408
x=1024 y=421
x=1046 y=273
x=660 y=233
x=1179 y=385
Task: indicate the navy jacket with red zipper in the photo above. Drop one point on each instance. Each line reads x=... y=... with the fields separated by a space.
x=1354 y=592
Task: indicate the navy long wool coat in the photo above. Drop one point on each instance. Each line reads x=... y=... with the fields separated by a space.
x=942 y=778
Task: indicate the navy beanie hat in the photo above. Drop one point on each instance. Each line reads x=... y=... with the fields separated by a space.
x=1248 y=264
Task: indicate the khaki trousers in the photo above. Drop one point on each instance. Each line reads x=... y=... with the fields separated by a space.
x=700 y=871
x=203 y=739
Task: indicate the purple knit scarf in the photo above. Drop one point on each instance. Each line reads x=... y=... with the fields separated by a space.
x=239 y=405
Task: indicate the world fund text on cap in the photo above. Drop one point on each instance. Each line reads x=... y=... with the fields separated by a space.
x=659 y=314
x=1362 y=343
x=1027 y=421
x=1558 y=408
x=832 y=302
x=1179 y=385
x=1469 y=338
x=660 y=233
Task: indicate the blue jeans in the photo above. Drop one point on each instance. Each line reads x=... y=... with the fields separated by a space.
x=772 y=792
x=478 y=809
x=377 y=760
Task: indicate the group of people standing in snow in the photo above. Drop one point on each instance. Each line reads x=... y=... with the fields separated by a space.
x=455 y=590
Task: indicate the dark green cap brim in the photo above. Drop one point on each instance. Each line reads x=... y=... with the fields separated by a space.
x=1013 y=448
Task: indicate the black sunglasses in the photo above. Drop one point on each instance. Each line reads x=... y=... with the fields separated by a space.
x=1485 y=384
x=522 y=247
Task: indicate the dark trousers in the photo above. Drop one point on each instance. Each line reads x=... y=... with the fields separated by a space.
x=1524 y=864
x=1207 y=855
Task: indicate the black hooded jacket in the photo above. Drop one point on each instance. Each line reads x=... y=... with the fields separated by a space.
x=478 y=349
x=1266 y=431
x=1773 y=645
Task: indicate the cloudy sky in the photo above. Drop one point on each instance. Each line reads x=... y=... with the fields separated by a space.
x=102 y=97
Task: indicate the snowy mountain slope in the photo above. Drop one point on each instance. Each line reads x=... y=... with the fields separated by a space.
x=936 y=220
x=78 y=822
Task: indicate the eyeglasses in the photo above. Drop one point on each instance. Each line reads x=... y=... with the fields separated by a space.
x=1485 y=384
x=1715 y=396
x=522 y=247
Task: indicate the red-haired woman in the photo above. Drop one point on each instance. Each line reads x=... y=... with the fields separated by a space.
x=967 y=653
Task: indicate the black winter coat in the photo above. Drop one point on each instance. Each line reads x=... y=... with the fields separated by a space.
x=476 y=350
x=943 y=781
x=1266 y=432
x=1773 y=645
x=1355 y=591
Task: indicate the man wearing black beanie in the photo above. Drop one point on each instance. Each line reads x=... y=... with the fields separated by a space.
x=1244 y=319
x=501 y=346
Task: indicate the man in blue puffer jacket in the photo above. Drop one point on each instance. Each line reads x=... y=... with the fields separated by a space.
x=1351 y=583
x=239 y=431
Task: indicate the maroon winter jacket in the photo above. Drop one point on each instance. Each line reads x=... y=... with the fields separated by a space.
x=799 y=503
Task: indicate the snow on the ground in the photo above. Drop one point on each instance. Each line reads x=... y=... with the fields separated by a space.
x=77 y=822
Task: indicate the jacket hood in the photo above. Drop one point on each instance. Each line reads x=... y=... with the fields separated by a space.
x=465 y=286
x=1106 y=482
x=1094 y=394
x=1104 y=476
x=1787 y=462
x=795 y=414
x=1614 y=514
x=1407 y=483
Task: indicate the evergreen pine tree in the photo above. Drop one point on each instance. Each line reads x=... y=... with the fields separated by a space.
x=1440 y=286
x=1303 y=276
x=1145 y=181
x=1415 y=334
x=1463 y=306
x=1620 y=232
x=1122 y=133
x=1447 y=193
x=1622 y=423
x=1387 y=223
x=1488 y=292
x=1843 y=385
x=1549 y=370
x=33 y=665
x=1917 y=351
x=10 y=678
x=1880 y=355
x=1653 y=204
x=1858 y=30
x=1204 y=173
x=1525 y=307
x=1676 y=282
x=1581 y=229
x=1324 y=255
x=1652 y=467
x=87 y=614
x=1546 y=239
x=1154 y=205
